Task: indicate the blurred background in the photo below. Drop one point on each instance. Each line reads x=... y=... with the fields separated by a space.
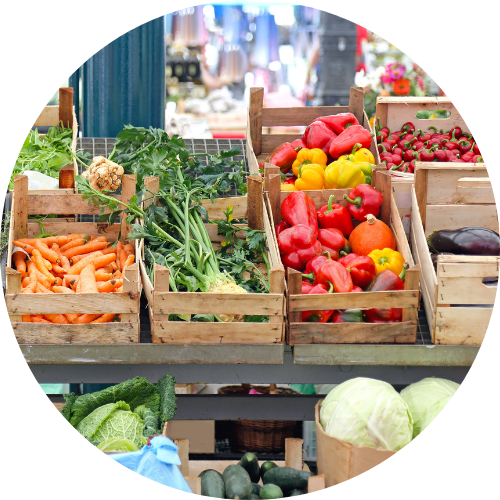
x=190 y=71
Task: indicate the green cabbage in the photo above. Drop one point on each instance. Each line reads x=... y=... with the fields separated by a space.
x=420 y=396
x=114 y=420
x=434 y=411
x=119 y=445
x=367 y=412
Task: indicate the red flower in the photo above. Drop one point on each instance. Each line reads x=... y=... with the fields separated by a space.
x=402 y=86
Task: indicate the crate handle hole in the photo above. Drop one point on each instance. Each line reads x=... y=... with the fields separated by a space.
x=490 y=282
x=433 y=114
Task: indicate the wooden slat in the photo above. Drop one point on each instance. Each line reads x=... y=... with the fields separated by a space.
x=218 y=303
x=255 y=202
x=13 y=286
x=479 y=269
x=48 y=117
x=293 y=453
x=20 y=207
x=272 y=141
x=464 y=291
x=316 y=483
x=146 y=283
x=411 y=283
x=397 y=228
x=180 y=332
x=291 y=117
x=239 y=204
x=61 y=203
x=66 y=106
x=458 y=216
x=356 y=103
x=91 y=228
x=359 y=300
x=152 y=184
x=128 y=191
x=352 y=333
x=131 y=280
x=89 y=303
x=255 y=118
x=384 y=186
x=183 y=453
x=461 y=325
x=274 y=197
x=269 y=169
x=105 y=333
x=421 y=181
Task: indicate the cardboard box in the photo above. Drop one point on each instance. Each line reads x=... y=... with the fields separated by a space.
x=201 y=434
x=340 y=461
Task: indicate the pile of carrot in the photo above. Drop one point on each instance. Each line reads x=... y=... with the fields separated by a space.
x=77 y=263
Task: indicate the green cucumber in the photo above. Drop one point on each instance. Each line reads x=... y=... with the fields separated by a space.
x=212 y=484
x=287 y=478
x=250 y=463
x=237 y=481
x=296 y=491
x=271 y=491
x=256 y=488
x=265 y=467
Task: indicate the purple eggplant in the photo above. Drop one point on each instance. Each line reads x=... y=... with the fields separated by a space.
x=466 y=241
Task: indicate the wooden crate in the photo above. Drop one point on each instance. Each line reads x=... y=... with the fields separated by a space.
x=293 y=458
x=457 y=303
x=260 y=144
x=51 y=116
x=352 y=333
x=394 y=112
x=162 y=302
x=125 y=303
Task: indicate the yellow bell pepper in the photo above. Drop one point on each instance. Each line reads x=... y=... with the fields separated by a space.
x=288 y=187
x=387 y=259
x=343 y=174
x=307 y=156
x=359 y=155
x=311 y=176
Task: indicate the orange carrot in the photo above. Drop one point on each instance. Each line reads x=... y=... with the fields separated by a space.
x=129 y=248
x=62 y=289
x=77 y=258
x=47 y=263
x=26 y=318
x=87 y=280
x=122 y=259
x=87 y=318
x=108 y=250
x=98 y=262
x=70 y=277
x=128 y=262
x=105 y=318
x=40 y=264
x=105 y=286
x=102 y=275
x=75 y=243
x=118 y=249
x=120 y=289
x=91 y=246
x=118 y=283
x=37 y=318
x=24 y=241
x=77 y=268
x=27 y=290
x=60 y=240
x=72 y=318
x=41 y=289
x=65 y=263
x=57 y=282
x=25 y=282
x=19 y=259
x=74 y=285
x=57 y=318
x=114 y=266
x=46 y=252
x=44 y=280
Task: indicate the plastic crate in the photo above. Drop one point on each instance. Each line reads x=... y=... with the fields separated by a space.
x=309 y=436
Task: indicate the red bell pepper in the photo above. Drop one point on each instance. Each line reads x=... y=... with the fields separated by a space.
x=314 y=265
x=318 y=316
x=424 y=137
x=396 y=150
x=384 y=147
x=477 y=159
x=464 y=146
x=347 y=316
x=283 y=157
x=467 y=157
x=298 y=245
x=281 y=227
x=297 y=143
x=338 y=123
x=449 y=154
x=332 y=240
x=363 y=200
x=306 y=287
x=391 y=142
x=335 y=216
x=356 y=289
x=344 y=143
x=455 y=133
x=318 y=135
x=383 y=282
x=408 y=127
x=476 y=149
x=409 y=155
x=397 y=159
x=440 y=155
x=298 y=208
x=361 y=267
x=290 y=180
x=416 y=146
x=336 y=274
x=426 y=154
x=381 y=136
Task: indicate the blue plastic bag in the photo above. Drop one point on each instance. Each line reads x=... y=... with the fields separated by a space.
x=157 y=461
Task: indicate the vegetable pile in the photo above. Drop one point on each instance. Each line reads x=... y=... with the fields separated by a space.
x=76 y=263
x=333 y=153
x=336 y=257
x=369 y=412
x=401 y=149
x=242 y=480
x=121 y=417
x=47 y=154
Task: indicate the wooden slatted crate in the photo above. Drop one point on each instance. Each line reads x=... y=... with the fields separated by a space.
x=458 y=304
x=126 y=303
x=394 y=112
x=260 y=144
x=352 y=333
x=163 y=302
x=293 y=458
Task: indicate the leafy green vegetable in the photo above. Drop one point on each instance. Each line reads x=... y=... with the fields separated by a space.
x=114 y=420
x=422 y=395
x=4 y=236
x=434 y=411
x=150 y=420
x=135 y=392
x=168 y=407
x=368 y=412
x=118 y=445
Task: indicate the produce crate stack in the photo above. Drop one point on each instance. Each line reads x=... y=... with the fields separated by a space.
x=458 y=293
x=125 y=303
x=163 y=302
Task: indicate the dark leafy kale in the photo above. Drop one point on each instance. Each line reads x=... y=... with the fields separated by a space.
x=168 y=406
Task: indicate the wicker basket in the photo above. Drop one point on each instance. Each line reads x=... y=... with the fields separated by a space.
x=259 y=436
